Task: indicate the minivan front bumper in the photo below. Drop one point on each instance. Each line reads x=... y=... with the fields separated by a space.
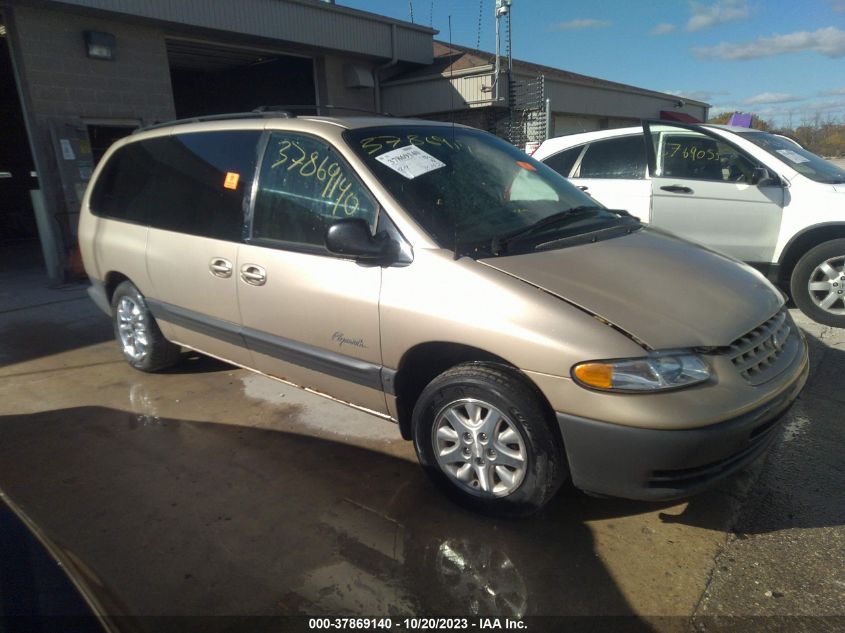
x=653 y=464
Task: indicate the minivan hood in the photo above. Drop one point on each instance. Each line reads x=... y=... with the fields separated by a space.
x=663 y=290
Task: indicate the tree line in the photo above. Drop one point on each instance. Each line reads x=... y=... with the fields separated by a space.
x=822 y=138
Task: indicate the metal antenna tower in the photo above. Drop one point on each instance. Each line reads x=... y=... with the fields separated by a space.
x=503 y=8
x=528 y=110
x=478 y=33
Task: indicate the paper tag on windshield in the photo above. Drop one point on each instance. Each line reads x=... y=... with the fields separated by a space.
x=410 y=161
x=795 y=157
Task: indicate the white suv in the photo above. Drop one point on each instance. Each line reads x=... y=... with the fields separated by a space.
x=758 y=197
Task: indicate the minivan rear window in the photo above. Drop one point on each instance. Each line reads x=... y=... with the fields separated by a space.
x=189 y=183
x=119 y=192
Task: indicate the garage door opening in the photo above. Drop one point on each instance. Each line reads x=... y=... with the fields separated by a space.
x=17 y=174
x=214 y=79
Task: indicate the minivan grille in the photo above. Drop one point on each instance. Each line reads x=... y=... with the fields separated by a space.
x=756 y=354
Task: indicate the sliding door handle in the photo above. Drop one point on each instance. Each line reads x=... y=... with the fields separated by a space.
x=253 y=275
x=220 y=267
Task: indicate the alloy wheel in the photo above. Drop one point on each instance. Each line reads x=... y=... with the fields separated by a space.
x=827 y=285
x=132 y=329
x=479 y=448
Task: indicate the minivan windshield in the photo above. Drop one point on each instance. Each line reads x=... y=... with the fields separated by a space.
x=475 y=193
x=804 y=162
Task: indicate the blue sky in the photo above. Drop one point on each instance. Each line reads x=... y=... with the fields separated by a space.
x=782 y=60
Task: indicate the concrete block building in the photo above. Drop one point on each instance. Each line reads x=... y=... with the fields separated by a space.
x=75 y=75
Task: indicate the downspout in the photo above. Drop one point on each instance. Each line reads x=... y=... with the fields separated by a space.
x=377 y=71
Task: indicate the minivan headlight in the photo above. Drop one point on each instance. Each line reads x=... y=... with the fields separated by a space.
x=669 y=370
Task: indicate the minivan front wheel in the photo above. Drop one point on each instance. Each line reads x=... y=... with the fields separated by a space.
x=482 y=434
x=140 y=339
x=818 y=283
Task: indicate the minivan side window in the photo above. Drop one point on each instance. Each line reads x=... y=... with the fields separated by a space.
x=304 y=185
x=614 y=158
x=189 y=183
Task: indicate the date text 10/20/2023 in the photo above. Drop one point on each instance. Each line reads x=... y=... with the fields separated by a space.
x=415 y=624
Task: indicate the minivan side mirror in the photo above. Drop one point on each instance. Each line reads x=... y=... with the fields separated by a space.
x=352 y=237
x=762 y=176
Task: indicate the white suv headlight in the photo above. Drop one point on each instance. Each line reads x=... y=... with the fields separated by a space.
x=667 y=370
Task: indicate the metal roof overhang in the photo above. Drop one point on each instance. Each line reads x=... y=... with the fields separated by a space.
x=680 y=117
x=316 y=25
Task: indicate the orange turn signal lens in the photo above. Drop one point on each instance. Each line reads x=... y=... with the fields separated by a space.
x=595 y=375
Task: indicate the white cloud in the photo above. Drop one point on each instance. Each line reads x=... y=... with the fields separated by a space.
x=706 y=15
x=829 y=41
x=771 y=97
x=662 y=29
x=583 y=23
x=827 y=105
x=833 y=92
x=717 y=110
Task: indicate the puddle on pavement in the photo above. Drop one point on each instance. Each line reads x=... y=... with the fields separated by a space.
x=143 y=406
x=317 y=414
x=197 y=518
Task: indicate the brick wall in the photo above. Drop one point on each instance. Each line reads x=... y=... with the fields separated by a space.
x=61 y=84
x=62 y=81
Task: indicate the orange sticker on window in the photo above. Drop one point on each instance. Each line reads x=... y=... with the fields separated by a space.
x=525 y=165
x=232 y=179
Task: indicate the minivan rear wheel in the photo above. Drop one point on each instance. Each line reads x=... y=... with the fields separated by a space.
x=818 y=283
x=483 y=435
x=140 y=339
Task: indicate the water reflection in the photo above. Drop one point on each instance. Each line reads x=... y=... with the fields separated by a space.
x=196 y=518
x=382 y=561
x=489 y=579
x=143 y=405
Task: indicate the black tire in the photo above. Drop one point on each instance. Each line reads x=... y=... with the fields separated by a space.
x=504 y=391
x=804 y=273
x=158 y=353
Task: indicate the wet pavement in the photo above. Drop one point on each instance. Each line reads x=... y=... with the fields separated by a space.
x=209 y=490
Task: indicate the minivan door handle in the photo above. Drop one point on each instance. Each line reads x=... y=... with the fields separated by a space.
x=676 y=189
x=220 y=267
x=253 y=275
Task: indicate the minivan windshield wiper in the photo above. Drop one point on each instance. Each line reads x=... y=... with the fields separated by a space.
x=499 y=242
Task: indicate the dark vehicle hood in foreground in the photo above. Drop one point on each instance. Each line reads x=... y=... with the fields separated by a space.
x=657 y=287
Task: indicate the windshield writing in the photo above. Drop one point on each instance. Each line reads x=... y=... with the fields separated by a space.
x=467 y=188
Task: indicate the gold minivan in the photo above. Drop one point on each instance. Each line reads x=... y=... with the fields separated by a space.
x=432 y=274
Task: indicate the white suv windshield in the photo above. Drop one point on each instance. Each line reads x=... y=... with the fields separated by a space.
x=470 y=190
x=804 y=162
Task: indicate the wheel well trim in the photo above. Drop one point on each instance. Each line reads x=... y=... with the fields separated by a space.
x=464 y=353
x=787 y=256
x=111 y=280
